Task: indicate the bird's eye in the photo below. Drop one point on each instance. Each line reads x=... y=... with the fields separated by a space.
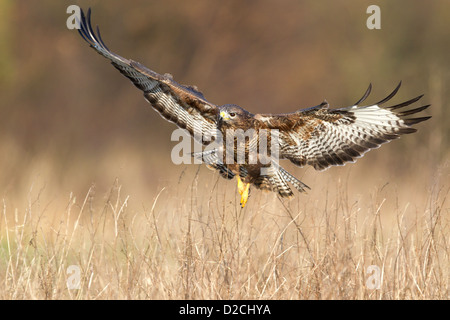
x=232 y=114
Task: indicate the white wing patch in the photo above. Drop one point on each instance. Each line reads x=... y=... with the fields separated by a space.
x=262 y=118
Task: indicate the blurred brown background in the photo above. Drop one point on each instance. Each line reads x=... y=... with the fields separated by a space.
x=69 y=119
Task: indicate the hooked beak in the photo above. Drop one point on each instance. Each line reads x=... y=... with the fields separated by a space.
x=224 y=116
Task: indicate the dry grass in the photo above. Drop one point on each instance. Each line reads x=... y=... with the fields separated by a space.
x=192 y=241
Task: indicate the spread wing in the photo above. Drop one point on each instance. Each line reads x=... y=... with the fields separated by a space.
x=183 y=105
x=323 y=137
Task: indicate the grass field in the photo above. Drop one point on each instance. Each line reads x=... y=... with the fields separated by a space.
x=191 y=240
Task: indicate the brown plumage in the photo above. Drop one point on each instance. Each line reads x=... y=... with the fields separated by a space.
x=317 y=136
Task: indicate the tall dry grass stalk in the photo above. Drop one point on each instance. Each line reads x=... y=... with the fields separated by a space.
x=193 y=241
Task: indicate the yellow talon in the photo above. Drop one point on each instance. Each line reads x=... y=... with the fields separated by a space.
x=243 y=189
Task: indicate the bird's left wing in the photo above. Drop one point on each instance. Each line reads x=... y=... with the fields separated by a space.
x=323 y=137
x=183 y=105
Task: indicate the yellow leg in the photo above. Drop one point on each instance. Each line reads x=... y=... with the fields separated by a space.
x=243 y=189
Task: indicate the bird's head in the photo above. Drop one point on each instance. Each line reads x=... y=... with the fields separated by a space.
x=231 y=114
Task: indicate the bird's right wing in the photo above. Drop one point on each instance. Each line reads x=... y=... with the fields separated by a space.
x=183 y=105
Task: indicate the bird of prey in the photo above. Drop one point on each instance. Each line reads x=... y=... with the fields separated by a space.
x=316 y=136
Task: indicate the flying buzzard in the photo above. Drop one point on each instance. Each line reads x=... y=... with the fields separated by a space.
x=318 y=136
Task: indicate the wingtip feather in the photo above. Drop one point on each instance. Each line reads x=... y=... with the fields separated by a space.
x=366 y=94
x=391 y=95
